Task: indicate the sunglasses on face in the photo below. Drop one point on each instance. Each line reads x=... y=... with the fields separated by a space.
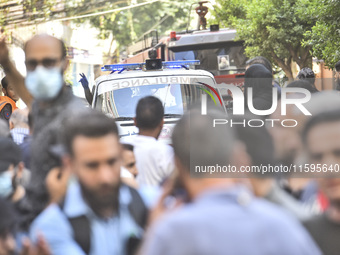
x=31 y=64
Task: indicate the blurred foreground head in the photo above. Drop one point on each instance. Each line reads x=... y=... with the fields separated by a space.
x=201 y=147
x=321 y=137
x=259 y=146
x=46 y=63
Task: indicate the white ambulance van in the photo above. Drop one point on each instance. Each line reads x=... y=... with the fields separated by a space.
x=174 y=83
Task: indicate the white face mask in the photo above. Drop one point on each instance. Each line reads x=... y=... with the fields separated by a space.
x=6 y=187
x=44 y=83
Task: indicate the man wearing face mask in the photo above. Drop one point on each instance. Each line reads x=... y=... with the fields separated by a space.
x=11 y=169
x=45 y=93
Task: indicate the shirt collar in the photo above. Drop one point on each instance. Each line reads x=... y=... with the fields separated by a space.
x=24 y=131
x=236 y=193
x=145 y=138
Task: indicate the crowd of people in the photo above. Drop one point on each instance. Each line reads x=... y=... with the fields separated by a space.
x=70 y=185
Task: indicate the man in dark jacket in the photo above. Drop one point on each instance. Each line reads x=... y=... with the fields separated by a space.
x=259 y=79
x=45 y=93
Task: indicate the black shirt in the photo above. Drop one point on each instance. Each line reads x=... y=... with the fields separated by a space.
x=326 y=234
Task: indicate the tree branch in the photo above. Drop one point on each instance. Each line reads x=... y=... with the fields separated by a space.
x=306 y=54
x=293 y=53
x=286 y=67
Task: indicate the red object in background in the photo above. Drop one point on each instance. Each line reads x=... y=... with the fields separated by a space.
x=236 y=79
x=173 y=36
x=323 y=201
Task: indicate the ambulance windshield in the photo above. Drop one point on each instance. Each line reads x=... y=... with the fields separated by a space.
x=176 y=98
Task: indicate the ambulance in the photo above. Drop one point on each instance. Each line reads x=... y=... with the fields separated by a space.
x=173 y=82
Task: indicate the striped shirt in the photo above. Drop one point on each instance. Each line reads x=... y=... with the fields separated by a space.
x=19 y=134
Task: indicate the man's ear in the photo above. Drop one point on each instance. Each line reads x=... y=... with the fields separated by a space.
x=135 y=121
x=66 y=64
x=67 y=163
x=4 y=91
x=161 y=124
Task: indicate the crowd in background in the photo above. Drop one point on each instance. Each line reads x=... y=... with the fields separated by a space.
x=69 y=185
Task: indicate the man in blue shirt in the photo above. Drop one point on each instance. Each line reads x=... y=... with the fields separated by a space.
x=222 y=216
x=95 y=216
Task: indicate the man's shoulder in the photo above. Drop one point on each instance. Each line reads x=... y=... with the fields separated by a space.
x=75 y=101
x=52 y=215
x=162 y=147
x=6 y=99
x=49 y=221
x=263 y=213
x=237 y=223
x=274 y=214
x=73 y=106
x=151 y=143
x=282 y=228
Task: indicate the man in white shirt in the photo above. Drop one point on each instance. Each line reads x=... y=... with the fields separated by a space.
x=154 y=159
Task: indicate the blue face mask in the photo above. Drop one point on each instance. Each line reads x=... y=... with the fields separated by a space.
x=6 y=187
x=44 y=83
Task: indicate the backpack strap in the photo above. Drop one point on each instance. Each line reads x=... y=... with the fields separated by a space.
x=82 y=232
x=137 y=208
x=139 y=213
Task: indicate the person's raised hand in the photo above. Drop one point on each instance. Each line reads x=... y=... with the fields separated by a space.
x=4 y=55
x=56 y=183
x=84 y=82
x=41 y=247
x=167 y=201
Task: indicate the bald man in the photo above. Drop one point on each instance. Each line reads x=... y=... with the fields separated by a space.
x=45 y=93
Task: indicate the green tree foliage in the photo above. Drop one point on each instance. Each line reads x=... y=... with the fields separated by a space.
x=27 y=11
x=129 y=26
x=126 y=26
x=271 y=28
x=325 y=35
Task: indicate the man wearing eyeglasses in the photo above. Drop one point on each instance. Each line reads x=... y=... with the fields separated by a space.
x=49 y=99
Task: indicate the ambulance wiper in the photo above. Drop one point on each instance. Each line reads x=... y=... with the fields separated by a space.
x=123 y=118
x=172 y=115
